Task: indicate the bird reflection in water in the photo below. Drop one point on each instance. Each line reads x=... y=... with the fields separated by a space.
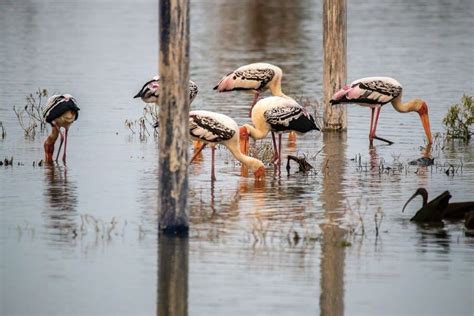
x=61 y=203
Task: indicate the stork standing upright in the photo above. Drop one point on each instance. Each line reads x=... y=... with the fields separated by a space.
x=60 y=111
x=374 y=92
x=256 y=78
x=278 y=115
x=215 y=128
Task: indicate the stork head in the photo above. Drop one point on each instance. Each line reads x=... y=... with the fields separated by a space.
x=149 y=91
x=422 y=110
x=258 y=170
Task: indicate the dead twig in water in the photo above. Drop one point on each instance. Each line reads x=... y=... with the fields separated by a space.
x=378 y=217
x=303 y=165
x=4 y=133
x=31 y=114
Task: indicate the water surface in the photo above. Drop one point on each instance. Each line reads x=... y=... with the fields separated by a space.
x=82 y=239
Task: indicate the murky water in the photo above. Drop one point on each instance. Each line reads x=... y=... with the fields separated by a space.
x=82 y=239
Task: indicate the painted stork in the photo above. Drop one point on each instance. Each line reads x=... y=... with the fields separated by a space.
x=278 y=115
x=256 y=78
x=215 y=128
x=374 y=92
x=149 y=93
x=59 y=111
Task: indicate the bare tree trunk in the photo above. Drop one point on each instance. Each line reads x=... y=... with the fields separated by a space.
x=334 y=73
x=174 y=112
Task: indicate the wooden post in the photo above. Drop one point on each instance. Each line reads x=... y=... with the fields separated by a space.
x=174 y=113
x=335 y=70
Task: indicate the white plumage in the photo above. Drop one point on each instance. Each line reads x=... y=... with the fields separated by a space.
x=278 y=114
x=215 y=128
x=60 y=111
x=374 y=92
x=255 y=78
x=150 y=93
x=370 y=91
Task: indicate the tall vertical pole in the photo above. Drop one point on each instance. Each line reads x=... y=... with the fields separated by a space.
x=335 y=59
x=174 y=113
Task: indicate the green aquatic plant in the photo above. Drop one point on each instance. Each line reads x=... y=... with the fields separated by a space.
x=459 y=119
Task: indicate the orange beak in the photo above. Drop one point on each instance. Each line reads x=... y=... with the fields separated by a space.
x=244 y=141
x=425 y=120
x=259 y=174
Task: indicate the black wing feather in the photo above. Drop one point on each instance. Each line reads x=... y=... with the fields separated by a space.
x=208 y=129
x=290 y=118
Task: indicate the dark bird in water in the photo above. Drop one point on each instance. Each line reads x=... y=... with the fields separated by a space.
x=303 y=165
x=423 y=162
x=439 y=208
x=59 y=111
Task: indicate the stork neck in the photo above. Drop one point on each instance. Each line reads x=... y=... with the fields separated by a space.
x=410 y=106
x=275 y=88
x=51 y=139
x=252 y=163
x=276 y=91
x=256 y=133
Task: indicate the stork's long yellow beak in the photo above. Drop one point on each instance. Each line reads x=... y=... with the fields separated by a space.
x=425 y=120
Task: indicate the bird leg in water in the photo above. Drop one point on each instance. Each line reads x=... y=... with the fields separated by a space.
x=275 y=149
x=255 y=98
x=373 y=127
x=65 y=145
x=198 y=152
x=279 y=150
x=61 y=135
x=213 y=175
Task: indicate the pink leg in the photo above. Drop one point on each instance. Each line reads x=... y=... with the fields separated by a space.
x=213 y=175
x=255 y=98
x=65 y=146
x=279 y=150
x=371 y=138
x=275 y=151
x=60 y=144
x=377 y=112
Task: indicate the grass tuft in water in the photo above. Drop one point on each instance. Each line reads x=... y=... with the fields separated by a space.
x=459 y=119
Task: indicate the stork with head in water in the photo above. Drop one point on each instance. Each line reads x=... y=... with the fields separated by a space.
x=60 y=111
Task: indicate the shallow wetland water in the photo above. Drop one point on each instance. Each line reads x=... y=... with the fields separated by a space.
x=82 y=239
